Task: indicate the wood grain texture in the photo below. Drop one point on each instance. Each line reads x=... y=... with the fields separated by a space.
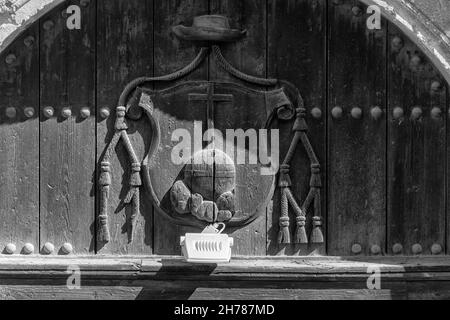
x=249 y=56
x=356 y=147
x=417 y=150
x=124 y=52
x=276 y=278
x=172 y=54
x=19 y=142
x=296 y=37
x=447 y=183
x=67 y=146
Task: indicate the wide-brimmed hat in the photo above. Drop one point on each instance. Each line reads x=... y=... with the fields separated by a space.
x=209 y=28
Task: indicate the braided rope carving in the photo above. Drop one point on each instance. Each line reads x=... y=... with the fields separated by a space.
x=300 y=129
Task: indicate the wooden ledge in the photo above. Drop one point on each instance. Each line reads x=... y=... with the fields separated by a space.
x=239 y=267
x=243 y=278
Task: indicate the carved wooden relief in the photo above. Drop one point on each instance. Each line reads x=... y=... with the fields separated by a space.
x=208 y=187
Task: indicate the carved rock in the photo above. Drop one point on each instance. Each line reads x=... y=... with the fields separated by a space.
x=205 y=211
x=180 y=196
x=226 y=201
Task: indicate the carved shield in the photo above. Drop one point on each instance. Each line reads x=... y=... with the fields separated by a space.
x=210 y=105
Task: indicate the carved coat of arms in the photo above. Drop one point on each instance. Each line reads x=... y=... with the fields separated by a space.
x=209 y=184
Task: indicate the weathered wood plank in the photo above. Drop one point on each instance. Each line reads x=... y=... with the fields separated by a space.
x=417 y=150
x=67 y=145
x=172 y=54
x=125 y=52
x=218 y=290
x=297 y=35
x=249 y=56
x=447 y=182
x=192 y=293
x=19 y=142
x=357 y=141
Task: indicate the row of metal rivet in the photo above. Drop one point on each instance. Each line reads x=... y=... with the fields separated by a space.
x=377 y=112
x=47 y=249
x=49 y=112
x=398 y=249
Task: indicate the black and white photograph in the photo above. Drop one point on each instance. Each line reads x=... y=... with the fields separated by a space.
x=225 y=154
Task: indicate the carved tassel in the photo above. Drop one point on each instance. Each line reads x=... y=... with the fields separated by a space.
x=300 y=123
x=103 y=230
x=316 y=181
x=284 y=179
x=104 y=181
x=134 y=214
x=133 y=197
x=120 y=119
x=300 y=232
x=135 y=179
x=283 y=235
x=316 y=235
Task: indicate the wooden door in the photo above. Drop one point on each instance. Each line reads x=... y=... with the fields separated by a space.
x=375 y=110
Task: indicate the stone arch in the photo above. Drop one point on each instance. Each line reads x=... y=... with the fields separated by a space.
x=416 y=19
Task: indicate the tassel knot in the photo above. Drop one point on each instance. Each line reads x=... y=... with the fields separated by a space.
x=300 y=123
x=283 y=235
x=316 y=181
x=317 y=235
x=105 y=175
x=301 y=221
x=300 y=232
x=135 y=178
x=120 y=119
x=284 y=179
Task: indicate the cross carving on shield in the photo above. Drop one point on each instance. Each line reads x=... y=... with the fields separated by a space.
x=210 y=98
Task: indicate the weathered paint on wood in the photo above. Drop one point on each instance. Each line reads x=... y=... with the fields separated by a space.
x=124 y=52
x=299 y=27
x=67 y=146
x=356 y=142
x=417 y=150
x=249 y=56
x=19 y=142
